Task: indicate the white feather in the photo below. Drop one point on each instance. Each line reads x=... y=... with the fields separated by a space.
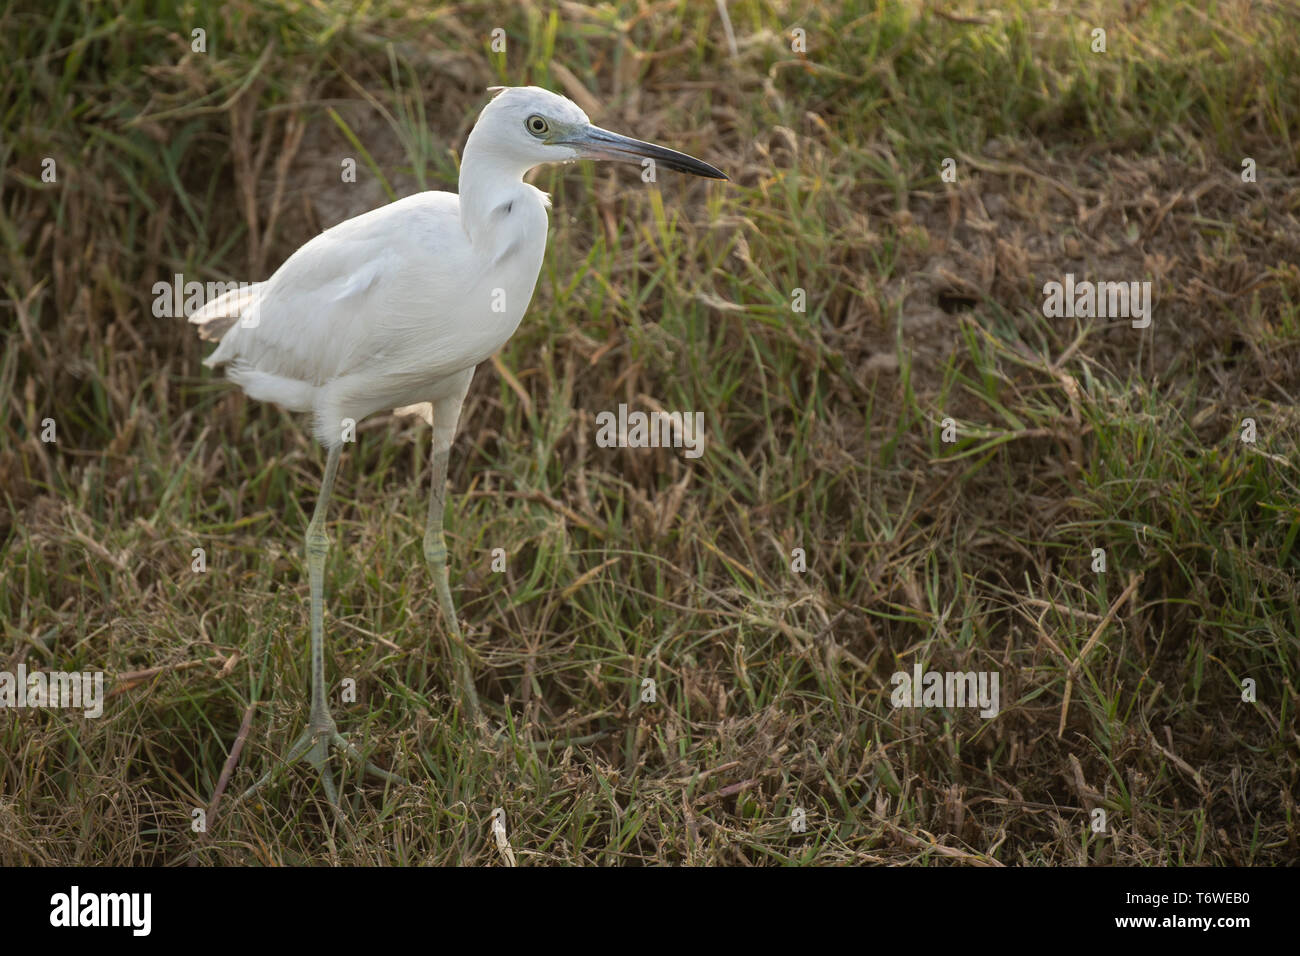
x=386 y=310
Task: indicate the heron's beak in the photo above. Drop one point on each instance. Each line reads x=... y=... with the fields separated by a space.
x=592 y=142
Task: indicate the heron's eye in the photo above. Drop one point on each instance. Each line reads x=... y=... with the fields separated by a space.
x=536 y=125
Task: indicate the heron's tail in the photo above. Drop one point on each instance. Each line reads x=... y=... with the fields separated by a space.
x=422 y=409
x=215 y=318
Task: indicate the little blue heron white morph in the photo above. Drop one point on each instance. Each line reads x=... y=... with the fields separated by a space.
x=394 y=309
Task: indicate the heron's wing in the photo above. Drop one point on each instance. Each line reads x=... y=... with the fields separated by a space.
x=336 y=301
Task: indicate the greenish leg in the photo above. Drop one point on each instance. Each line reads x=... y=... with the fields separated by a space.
x=435 y=552
x=321 y=730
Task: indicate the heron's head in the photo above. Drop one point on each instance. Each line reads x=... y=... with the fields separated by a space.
x=531 y=126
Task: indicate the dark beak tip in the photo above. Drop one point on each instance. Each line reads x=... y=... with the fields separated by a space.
x=709 y=172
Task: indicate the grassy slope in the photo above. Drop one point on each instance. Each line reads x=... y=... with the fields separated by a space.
x=924 y=302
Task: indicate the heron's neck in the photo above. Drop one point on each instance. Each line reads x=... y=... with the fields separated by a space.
x=488 y=182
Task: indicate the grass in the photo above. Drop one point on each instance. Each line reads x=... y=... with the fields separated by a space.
x=922 y=302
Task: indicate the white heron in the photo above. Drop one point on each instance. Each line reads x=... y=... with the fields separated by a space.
x=394 y=309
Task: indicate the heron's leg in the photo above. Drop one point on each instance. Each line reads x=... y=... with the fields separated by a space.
x=321 y=725
x=446 y=413
x=321 y=730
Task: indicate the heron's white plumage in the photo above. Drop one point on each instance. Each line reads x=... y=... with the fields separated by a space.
x=388 y=308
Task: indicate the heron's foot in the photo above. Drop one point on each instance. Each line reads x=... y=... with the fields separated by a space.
x=314 y=745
